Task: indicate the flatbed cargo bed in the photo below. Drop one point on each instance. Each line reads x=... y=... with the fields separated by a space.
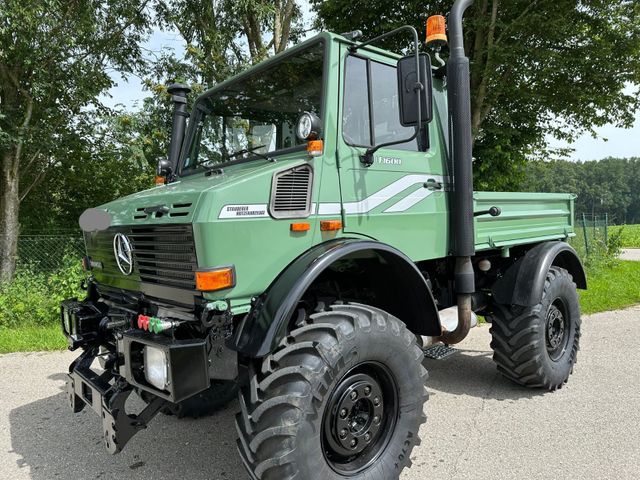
x=525 y=218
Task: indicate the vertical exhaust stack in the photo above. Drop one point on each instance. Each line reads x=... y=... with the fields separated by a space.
x=179 y=92
x=459 y=97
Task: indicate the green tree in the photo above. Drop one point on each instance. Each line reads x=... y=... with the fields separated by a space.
x=113 y=165
x=539 y=69
x=608 y=186
x=55 y=58
x=113 y=152
x=223 y=37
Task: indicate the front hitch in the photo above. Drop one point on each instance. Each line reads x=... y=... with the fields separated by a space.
x=107 y=399
x=117 y=425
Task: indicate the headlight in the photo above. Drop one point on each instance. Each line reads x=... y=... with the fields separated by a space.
x=308 y=126
x=156 y=367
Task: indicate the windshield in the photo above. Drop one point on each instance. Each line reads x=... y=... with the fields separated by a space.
x=257 y=114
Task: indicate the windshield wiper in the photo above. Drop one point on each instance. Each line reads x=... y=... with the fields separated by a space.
x=218 y=168
x=252 y=150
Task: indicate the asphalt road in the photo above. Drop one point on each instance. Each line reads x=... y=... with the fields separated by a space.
x=480 y=425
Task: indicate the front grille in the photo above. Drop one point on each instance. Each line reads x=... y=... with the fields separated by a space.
x=165 y=254
x=291 y=192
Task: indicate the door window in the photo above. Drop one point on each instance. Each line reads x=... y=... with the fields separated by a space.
x=356 y=118
x=371 y=113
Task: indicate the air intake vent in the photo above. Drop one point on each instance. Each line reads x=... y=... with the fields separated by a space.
x=291 y=193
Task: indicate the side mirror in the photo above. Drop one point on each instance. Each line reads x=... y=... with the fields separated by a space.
x=163 y=171
x=407 y=93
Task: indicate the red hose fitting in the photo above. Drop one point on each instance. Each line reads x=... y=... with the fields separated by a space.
x=143 y=322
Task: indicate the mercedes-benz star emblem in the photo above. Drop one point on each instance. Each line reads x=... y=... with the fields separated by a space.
x=123 y=253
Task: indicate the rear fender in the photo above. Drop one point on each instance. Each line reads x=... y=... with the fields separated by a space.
x=523 y=283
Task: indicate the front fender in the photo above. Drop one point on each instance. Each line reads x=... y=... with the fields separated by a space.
x=267 y=323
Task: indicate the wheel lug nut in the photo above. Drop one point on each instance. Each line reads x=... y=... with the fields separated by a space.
x=376 y=401
x=367 y=390
x=343 y=433
x=367 y=437
x=343 y=413
x=354 y=395
x=376 y=420
x=353 y=443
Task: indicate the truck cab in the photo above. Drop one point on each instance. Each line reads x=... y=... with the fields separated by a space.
x=220 y=199
x=302 y=239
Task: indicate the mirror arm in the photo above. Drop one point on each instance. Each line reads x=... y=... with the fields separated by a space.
x=355 y=47
x=367 y=157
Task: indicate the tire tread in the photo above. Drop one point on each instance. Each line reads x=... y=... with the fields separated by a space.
x=267 y=440
x=516 y=339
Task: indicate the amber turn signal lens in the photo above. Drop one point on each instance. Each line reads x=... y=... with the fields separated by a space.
x=315 y=147
x=436 y=30
x=330 y=225
x=210 y=280
x=300 y=227
x=160 y=180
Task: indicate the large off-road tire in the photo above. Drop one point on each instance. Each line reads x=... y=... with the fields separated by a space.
x=538 y=346
x=341 y=397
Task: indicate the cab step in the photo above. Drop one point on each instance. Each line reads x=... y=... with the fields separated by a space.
x=439 y=351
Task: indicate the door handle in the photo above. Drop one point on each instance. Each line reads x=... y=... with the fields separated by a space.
x=431 y=184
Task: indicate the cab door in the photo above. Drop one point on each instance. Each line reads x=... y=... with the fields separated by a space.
x=401 y=198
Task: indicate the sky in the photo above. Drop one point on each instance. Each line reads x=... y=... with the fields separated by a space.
x=610 y=141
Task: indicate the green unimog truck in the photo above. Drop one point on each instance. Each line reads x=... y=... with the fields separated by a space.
x=316 y=219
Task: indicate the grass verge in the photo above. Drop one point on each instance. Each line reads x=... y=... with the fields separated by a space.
x=31 y=339
x=612 y=288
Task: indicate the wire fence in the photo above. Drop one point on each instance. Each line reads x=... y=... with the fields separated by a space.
x=592 y=233
x=48 y=253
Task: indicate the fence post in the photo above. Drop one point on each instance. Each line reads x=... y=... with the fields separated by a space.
x=606 y=229
x=584 y=231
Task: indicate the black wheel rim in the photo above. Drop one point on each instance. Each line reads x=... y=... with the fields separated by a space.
x=557 y=330
x=359 y=418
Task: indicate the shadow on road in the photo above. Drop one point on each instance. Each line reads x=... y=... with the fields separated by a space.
x=473 y=373
x=55 y=443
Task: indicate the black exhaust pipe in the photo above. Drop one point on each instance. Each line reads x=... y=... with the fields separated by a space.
x=179 y=92
x=459 y=97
